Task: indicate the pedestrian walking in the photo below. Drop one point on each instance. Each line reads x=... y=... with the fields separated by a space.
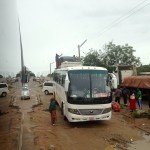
x=52 y=110
x=117 y=95
x=139 y=97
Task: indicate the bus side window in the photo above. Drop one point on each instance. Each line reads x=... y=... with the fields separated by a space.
x=109 y=80
x=63 y=79
x=67 y=84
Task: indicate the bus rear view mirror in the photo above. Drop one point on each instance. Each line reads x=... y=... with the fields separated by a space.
x=66 y=85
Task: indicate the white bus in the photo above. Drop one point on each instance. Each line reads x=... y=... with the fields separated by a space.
x=83 y=93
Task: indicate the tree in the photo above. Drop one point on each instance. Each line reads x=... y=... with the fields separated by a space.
x=112 y=55
x=17 y=75
x=31 y=74
x=92 y=58
x=119 y=55
x=143 y=68
x=1 y=76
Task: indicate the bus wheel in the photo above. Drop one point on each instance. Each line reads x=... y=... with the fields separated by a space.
x=62 y=109
x=65 y=118
x=46 y=92
x=4 y=94
x=62 y=112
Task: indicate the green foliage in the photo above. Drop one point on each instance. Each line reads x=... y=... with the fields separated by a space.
x=1 y=76
x=121 y=106
x=31 y=74
x=48 y=75
x=93 y=58
x=140 y=114
x=112 y=55
x=135 y=114
x=120 y=55
x=17 y=75
x=143 y=68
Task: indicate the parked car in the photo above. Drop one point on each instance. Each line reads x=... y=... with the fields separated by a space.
x=3 y=89
x=25 y=94
x=37 y=79
x=48 y=87
x=14 y=79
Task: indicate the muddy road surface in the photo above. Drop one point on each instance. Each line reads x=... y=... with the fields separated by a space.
x=25 y=125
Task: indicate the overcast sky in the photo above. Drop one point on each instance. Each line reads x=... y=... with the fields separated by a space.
x=58 y=26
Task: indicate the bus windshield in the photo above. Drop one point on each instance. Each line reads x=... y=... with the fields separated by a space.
x=88 y=84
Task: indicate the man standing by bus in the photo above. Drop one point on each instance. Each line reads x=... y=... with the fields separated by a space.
x=125 y=93
x=118 y=94
x=52 y=110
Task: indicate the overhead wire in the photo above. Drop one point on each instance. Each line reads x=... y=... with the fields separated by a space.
x=124 y=17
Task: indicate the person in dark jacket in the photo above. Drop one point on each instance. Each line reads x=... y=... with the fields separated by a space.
x=125 y=94
x=117 y=95
x=52 y=110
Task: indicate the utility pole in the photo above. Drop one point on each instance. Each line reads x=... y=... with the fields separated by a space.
x=79 y=46
x=22 y=60
x=50 y=68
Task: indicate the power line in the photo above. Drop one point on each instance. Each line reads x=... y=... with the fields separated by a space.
x=124 y=17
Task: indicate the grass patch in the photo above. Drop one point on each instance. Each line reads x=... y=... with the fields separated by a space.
x=140 y=114
x=136 y=114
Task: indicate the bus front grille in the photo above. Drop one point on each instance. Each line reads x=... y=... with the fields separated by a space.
x=90 y=111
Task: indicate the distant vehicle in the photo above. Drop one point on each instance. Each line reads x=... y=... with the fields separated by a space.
x=25 y=94
x=36 y=79
x=4 y=89
x=138 y=82
x=48 y=87
x=123 y=71
x=14 y=79
x=113 y=81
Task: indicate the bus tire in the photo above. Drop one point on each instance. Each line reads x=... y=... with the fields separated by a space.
x=62 y=112
x=4 y=94
x=65 y=118
x=46 y=92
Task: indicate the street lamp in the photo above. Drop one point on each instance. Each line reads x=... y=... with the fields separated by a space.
x=50 y=68
x=79 y=48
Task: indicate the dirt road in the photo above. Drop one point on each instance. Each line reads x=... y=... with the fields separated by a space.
x=26 y=126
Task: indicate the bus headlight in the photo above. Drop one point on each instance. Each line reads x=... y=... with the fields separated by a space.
x=74 y=111
x=107 y=110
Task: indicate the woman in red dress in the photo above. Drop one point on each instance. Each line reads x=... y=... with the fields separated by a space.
x=132 y=102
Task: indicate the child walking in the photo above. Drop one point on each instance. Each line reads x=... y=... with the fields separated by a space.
x=52 y=110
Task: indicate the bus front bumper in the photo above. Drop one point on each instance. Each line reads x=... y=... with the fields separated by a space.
x=80 y=118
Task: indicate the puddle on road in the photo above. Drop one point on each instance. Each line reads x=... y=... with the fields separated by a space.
x=136 y=145
x=141 y=144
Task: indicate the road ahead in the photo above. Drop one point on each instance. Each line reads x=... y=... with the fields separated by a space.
x=28 y=127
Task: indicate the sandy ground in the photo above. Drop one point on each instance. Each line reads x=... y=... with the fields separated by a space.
x=28 y=128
